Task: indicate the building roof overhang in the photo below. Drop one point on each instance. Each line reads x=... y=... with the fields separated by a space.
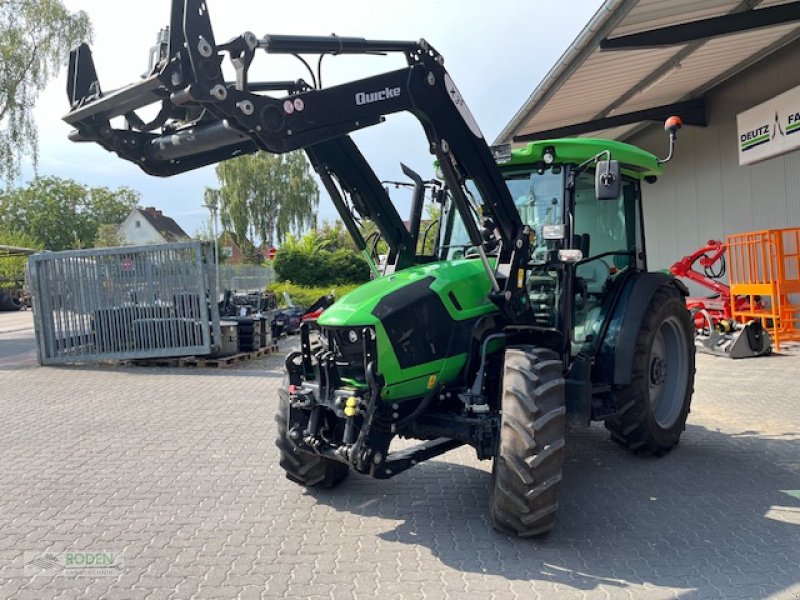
x=638 y=61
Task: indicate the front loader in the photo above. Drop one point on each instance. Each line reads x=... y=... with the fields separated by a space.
x=535 y=310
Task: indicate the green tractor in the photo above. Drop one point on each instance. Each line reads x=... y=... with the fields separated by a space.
x=533 y=313
x=426 y=353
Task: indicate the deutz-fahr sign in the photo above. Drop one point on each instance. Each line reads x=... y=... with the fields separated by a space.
x=769 y=129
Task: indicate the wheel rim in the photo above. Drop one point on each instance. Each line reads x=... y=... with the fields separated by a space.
x=668 y=372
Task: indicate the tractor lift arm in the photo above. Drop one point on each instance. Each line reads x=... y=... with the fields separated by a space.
x=204 y=120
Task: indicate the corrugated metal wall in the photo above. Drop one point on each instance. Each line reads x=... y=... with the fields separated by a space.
x=704 y=193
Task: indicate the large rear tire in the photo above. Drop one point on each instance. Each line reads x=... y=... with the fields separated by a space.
x=301 y=467
x=526 y=475
x=653 y=408
x=9 y=302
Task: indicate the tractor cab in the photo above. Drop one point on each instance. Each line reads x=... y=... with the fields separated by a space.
x=576 y=234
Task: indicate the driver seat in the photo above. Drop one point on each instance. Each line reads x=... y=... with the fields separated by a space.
x=594 y=273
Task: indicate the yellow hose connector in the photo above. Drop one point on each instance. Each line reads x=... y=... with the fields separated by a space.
x=350 y=407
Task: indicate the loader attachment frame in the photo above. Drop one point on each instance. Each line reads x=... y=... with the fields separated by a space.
x=204 y=120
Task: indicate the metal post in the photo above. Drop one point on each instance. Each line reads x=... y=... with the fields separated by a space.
x=216 y=253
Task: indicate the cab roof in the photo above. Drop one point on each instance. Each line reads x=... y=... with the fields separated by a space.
x=633 y=160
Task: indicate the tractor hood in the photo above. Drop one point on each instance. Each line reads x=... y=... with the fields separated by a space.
x=460 y=286
x=423 y=318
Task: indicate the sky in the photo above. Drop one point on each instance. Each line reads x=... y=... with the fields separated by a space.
x=496 y=52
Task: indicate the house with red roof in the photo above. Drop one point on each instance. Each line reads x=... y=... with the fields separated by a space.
x=150 y=226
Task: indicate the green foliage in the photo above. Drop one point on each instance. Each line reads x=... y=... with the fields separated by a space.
x=111 y=207
x=370 y=233
x=250 y=254
x=312 y=242
x=305 y=295
x=268 y=195
x=205 y=231
x=336 y=236
x=347 y=267
x=35 y=39
x=434 y=214
x=107 y=236
x=13 y=268
x=62 y=214
x=314 y=266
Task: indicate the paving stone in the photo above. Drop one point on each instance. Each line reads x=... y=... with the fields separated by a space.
x=177 y=470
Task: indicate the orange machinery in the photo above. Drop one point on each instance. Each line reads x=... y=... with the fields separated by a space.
x=764 y=266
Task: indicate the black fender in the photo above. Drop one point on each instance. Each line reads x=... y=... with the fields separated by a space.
x=616 y=350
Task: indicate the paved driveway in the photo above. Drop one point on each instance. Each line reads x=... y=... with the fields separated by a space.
x=175 y=471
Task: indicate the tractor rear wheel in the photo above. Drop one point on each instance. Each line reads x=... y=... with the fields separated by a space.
x=9 y=302
x=526 y=475
x=654 y=406
x=301 y=467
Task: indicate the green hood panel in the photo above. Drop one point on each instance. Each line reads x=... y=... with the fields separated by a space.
x=462 y=286
x=466 y=280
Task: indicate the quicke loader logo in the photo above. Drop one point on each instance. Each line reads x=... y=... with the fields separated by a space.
x=379 y=96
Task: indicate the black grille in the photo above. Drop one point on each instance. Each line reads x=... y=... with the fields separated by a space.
x=349 y=354
x=419 y=326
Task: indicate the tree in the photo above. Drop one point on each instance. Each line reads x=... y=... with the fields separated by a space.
x=111 y=207
x=12 y=269
x=107 y=236
x=269 y=195
x=336 y=236
x=62 y=214
x=205 y=231
x=35 y=39
x=434 y=215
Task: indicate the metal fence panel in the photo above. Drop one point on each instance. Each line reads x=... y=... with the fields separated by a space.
x=124 y=303
x=245 y=277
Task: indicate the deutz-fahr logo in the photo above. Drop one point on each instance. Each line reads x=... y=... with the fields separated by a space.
x=379 y=96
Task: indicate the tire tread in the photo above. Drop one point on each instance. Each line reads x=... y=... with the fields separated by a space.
x=527 y=469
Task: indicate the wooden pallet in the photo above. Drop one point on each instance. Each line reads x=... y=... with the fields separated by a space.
x=218 y=362
x=154 y=362
x=222 y=362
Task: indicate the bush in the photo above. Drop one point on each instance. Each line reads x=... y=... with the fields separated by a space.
x=306 y=296
x=12 y=269
x=320 y=268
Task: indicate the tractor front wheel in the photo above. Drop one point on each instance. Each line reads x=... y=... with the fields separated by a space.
x=654 y=406
x=301 y=467
x=527 y=466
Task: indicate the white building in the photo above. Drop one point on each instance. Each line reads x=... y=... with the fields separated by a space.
x=637 y=62
x=150 y=226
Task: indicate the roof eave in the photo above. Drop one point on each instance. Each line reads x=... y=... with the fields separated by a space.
x=601 y=24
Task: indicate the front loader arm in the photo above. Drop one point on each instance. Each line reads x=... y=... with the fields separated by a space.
x=204 y=119
x=341 y=158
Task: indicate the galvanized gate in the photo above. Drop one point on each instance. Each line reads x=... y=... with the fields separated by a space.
x=124 y=303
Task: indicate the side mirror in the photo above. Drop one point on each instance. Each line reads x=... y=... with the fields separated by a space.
x=607 y=180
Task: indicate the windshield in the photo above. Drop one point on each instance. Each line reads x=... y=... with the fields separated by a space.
x=539 y=198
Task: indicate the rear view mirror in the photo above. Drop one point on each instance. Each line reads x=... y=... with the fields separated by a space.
x=607 y=181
